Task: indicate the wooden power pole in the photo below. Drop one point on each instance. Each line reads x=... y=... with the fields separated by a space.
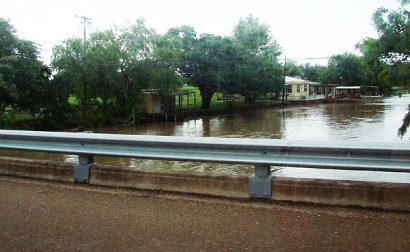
x=85 y=20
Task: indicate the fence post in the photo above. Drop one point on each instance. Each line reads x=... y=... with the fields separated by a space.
x=260 y=183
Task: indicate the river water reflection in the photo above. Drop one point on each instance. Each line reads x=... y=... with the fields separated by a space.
x=366 y=122
x=371 y=121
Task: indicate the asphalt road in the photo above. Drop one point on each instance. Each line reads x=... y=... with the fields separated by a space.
x=47 y=216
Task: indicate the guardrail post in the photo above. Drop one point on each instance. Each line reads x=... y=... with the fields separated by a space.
x=82 y=169
x=260 y=182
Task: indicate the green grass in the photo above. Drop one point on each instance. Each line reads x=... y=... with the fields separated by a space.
x=18 y=120
x=215 y=103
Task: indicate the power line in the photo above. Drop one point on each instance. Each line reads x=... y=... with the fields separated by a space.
x=319 y=58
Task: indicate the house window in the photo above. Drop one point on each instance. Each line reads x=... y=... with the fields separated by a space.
x=298 y=89
x=305 y=88
x=289 y=89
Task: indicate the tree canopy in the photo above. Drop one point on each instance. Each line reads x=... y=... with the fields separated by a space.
x=257 y=70
x=22 y=84
x=117 y=64
x=245 y=63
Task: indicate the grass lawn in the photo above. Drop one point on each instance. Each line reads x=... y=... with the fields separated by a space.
x=215 y=103
x=13 y=118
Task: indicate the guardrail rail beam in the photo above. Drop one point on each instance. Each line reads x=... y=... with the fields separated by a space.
x=261 y=153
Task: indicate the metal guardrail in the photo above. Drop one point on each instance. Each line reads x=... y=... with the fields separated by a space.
x=262 y=153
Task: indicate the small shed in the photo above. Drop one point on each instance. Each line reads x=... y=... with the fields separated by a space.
x=155 y=102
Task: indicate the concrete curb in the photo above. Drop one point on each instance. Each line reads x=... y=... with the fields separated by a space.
x=388 y=196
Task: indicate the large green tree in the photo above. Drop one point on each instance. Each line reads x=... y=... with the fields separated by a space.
x=371 y=62
x=310 y=72
x=117 y=64
x=204 y=60
x=345 y=69
x=207 y=69
x=293 y=69
x=22 y=85
x=394 y=33
x=393 y=44
x=393 y=27
x=257 y=68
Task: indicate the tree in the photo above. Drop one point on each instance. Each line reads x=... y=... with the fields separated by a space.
x=207 y=65
x=371 y=62
x=394 y=33
x=187 y=37
x=256 y=37
x=22 y=85
x=204 y=61
x=406 y=123
x=118 y=64
x=293 y=69
x=393 y=28
x=70 y=66
x=311 y=73
x=345 y=69
x=257 y=70
x=167 y=55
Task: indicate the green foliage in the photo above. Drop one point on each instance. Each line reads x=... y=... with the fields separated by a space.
x=371 y=62
x=257 y=71
x=406 y=123
x=208 y=65
x=22 y=85
x=393 y=46
x=393 y=28
x=256 y=37
x=117 y=65
x=310 y=72
x=392 y=75
x=293 y=69
x=345 y=69
x=243 y=64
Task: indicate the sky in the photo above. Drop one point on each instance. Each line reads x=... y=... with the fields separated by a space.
x=303 y=28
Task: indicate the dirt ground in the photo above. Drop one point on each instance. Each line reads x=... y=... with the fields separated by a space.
x=47 y=216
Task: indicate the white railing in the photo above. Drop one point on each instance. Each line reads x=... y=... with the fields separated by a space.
x=262 y=153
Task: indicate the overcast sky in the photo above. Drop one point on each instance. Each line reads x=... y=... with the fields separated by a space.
x=304 y=28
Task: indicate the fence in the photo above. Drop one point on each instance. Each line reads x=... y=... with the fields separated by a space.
x=262 y=153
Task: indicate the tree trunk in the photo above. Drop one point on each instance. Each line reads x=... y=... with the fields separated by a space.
x=206 y=102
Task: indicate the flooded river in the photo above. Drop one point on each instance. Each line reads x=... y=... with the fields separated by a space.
x=371 y=121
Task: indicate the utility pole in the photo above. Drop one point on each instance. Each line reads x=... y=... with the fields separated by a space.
x=85 y=20
x=284 y=91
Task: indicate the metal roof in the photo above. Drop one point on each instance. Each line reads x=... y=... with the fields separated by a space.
x=349 y=87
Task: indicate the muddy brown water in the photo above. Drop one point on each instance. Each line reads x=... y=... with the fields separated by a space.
x=367 y=122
